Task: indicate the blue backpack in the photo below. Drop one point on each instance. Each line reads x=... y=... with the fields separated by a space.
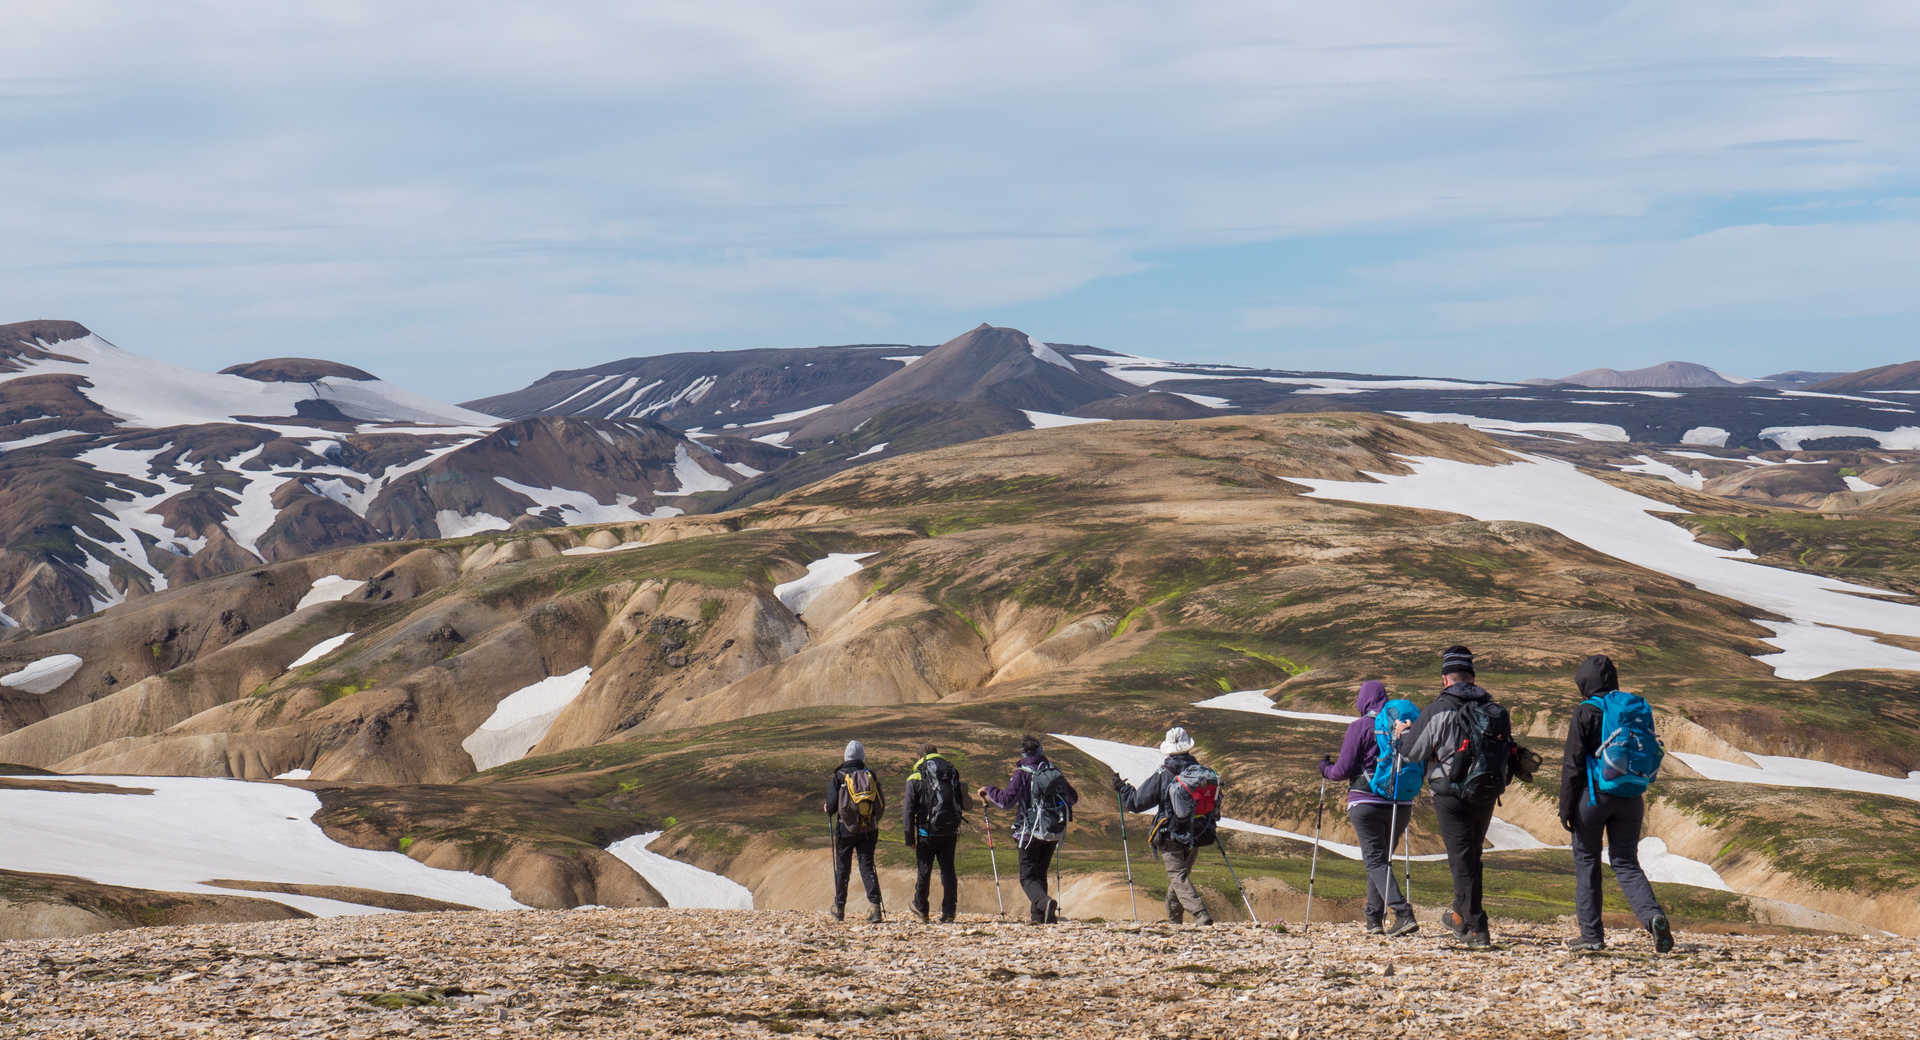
x=1384 y=781
x=1629 y=755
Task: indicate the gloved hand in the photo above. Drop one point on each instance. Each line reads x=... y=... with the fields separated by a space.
x=910 y=839
x=1119 y=785
x=1326 y=760
x=1566 y=822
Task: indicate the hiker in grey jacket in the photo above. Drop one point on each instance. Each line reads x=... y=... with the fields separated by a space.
x=1153 y=795
x=1597 y=818
x=1434 y=739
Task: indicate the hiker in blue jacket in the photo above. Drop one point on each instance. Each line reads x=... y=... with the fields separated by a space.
x=1593 y=818
x=1377 y=821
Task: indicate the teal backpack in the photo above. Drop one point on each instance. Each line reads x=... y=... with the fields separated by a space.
x=1629 y=755
x=1403 y=785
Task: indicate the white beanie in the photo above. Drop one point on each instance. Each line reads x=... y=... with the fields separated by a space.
x=1177 y=742
x=856 y=751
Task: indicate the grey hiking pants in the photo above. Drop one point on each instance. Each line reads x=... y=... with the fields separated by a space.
x=1182 y=897
x=1617 y=820
x=1379 y=828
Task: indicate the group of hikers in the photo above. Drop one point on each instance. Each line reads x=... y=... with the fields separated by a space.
x=1461 y=746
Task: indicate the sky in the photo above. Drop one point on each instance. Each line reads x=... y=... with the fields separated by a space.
x=462 y=198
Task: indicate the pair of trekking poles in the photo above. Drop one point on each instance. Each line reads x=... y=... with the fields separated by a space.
x=994 y=858
x=1393 y=824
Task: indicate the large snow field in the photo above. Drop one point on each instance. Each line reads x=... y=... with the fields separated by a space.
x=43 y=676
x=1584 y=430
x=1789 y=438
x=192 y=830
x=522 y=718
x=1778 y=771
x=821 y=576
x=680 y=884
x=1622 y=525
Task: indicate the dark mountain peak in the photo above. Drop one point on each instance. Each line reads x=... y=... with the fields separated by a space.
x=295 y=370
x=1903 y=376
x=30 y=339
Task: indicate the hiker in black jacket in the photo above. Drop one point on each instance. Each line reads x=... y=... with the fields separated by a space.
x=1438 y=739
x=1596 y=818
x=1153 y=796
x=934 y=807
x=851 y=835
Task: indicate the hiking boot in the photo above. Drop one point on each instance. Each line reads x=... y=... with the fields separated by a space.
x=1175 y=915
x=1403 y=924
x=1203 y=918
x=1582 y=944
x=1374 y=927
x=920 y=912
x=874 y=915
x=946 y=918
x=1662 y=930
x=839 y=912
x=1053 y=911
x=1455 y=923
x=1478 y=940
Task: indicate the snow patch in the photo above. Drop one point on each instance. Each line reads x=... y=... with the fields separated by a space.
x=1777 y=771
x=1653 y=467
x=691 y=478
x=579 y=507
x=1205 y=401
x=295 y=774
x=1672 y=868
x=1790 y=438
x=875 y=450
x=454 y=525
x=680 y=884
x=1328 y=385
x=191 y=829
x=320 y=649
x=1586 y=431
x=522 y=719
x=45 y=675
x=328 y=589
x=1049 y=355
x=588 y=550
x=1256 y=702
x=1856 y=484
x=1809 y=651
x=1048 y=420
x=821 y=575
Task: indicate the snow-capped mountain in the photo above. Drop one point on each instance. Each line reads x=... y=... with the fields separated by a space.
x=122 y=474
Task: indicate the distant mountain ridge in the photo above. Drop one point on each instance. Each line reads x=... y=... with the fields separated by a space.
x=1903 y=376
x=1665 y=374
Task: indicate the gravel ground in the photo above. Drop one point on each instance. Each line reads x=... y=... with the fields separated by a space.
x=637 y=973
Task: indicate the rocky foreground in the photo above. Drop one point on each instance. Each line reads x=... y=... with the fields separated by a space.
x=707 y=973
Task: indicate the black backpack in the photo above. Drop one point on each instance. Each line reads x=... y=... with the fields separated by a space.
x=1046 y=813
x=939 y=796
x=1482 y=763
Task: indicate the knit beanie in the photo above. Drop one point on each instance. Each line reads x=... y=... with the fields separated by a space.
x=1456 y=660
x=856 y=751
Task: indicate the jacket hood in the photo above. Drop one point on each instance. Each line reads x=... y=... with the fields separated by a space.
x=1467 y=692
x=1032 y=760
x=1373 y=693
x=1596 y=676
x=1175 y=763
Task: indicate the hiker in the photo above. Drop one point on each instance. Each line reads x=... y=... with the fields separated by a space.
x=1466 y=742
x=1042 y=801
x=855 y=805
x=1379 y=800
x=1603 y=802
x=936 y=803
x=1184 y=797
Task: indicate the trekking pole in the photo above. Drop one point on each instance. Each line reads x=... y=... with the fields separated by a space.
x=1222 y=846
x=1128 y=856
x=995 y=859
x=1313 y=870
x=1057 y=893
x=1393 y=823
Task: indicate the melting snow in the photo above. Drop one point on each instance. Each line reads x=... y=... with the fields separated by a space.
x=454 y=525
x=1856 y=484
x=1905 y=438
x=1049 y=355
x=588 y=550
x=1809 y=651
x=327 y=590
x=320 y=649
x=1836 y=397
x=193 y=829
x=905 y=359
x=1653 y=467
x=522 y=719
x=45 y=675
x=1328 y=385
x=680 y=884
x=1620 y=524
x=875 y=450
x=1205 y=401
x=691 y=477
x=295 y=774
x=1048 y=420
x=1256 y=702
x=1588 y=431
x=821 y=575
x=1674 y=869
x=1776 y=771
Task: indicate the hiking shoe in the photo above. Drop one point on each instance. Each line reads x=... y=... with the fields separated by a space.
x=1478 y=940
x=1582 y=944
x=920 y=912
x=1403 y=924
x=1662 y=930
x=1053 y=911
x=1176 y=917
x=874 y=916
x=946 y=918
x=1203 y=918
x=1455 y=923
x=839 y=912
x=1374 y=927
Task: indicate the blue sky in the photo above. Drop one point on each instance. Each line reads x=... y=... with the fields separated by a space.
x=462 y=203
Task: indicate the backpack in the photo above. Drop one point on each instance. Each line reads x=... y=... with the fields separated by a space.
x=860 y=802
x=1192 y=806
x=1045 y=814
x=1629 y=755
x=1403 y=785
x=939 y=797
x=1480 y=765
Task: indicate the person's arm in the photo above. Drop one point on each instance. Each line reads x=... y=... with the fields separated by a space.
x=1073 y=796
x=908 y=802
x=1013 y=794
x=1353 y=752
x=1430 y=733
x=1583 y=739
x=833 y=793
x=1145 y=798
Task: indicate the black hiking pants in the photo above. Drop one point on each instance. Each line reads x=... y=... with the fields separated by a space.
x=928 y=849
x=1616 y=821
x=1463 y=827
x=1379 y=828
x=844 y=849
x=1035 y=858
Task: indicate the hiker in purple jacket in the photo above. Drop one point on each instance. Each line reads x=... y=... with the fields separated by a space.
x=1036 y=852
x=1378 y=822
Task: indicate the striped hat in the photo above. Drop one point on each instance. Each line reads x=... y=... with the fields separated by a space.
x=1456 y=660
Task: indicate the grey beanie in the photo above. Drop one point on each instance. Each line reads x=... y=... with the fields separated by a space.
x=1456 y=660
x=856 y=751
